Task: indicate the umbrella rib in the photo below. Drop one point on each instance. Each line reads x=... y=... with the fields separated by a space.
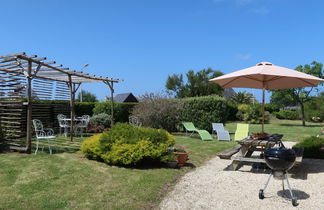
x=274 y=78
x=230 y=81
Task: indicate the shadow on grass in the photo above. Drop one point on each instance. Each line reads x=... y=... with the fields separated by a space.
x=299 y=125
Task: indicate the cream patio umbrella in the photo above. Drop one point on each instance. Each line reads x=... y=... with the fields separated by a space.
x=267 y=76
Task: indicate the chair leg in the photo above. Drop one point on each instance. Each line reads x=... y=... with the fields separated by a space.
x=49 y=146
x=36 y=147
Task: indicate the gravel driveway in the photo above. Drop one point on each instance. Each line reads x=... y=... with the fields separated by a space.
x=212 y=187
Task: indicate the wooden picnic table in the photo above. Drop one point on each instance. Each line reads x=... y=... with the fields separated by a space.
x=247 y=147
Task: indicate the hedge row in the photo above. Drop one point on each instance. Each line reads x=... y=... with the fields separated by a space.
x=121 y=110
x=203 y=111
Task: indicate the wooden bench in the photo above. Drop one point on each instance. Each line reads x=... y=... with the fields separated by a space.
x=227 y=154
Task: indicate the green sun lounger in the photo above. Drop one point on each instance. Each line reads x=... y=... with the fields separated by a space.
x=190 y=127
x=242 y=131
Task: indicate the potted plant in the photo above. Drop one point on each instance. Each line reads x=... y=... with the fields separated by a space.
x=181 y=155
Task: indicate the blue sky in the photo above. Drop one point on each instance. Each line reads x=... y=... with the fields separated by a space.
x=144 y=41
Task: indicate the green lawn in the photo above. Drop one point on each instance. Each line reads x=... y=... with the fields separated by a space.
x=291 y=129
x=68 y=180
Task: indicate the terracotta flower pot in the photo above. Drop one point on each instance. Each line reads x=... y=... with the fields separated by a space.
x=182 y=158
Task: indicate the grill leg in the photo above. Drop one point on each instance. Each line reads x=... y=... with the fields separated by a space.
x=261 y=192
x=293 y=200
x=266 y=185
x=283 y=185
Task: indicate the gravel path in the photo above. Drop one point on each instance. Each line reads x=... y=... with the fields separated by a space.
x=212 y=187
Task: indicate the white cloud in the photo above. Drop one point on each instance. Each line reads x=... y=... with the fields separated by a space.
x=244 y=57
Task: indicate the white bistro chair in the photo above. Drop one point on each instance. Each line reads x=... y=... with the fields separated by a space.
x=63 y=124
x=82 y=124
x=43 y=134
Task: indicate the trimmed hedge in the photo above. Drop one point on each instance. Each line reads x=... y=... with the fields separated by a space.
x=127 y=145
x=203 y=111
x=312 y=147
x=121 y=110
x=287 y=114
x=84 y=108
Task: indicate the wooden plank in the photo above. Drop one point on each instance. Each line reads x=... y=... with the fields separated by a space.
x=227 y=154
x=245 y=159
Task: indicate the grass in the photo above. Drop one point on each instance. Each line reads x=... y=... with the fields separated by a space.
x=68 y=180
x=291 y=129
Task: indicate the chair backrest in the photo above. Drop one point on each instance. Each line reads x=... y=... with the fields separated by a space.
x=218 y=126
x=242 y=131
x=61 y=121
x=38 y=125
x=189 y=126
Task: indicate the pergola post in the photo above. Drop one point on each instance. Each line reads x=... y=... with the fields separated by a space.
x=73 y=89
x=111 y=86
x=29 y=108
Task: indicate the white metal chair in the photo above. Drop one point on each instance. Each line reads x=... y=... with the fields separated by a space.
x=219 y=130
x=83 y=124
x=63 y=124
x=43 y=133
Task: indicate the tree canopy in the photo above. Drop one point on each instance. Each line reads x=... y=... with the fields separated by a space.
x=299 y=95
x=196 y=84
x=86 y=97
x=243 y=98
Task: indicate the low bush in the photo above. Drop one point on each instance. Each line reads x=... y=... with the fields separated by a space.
x=101 y=119
x=203 y=111
x=91 y=147
x=312 y=147
x=254 y=115
x=128 y=145
x=121 y=110
x=159 y=113
x=287 y=115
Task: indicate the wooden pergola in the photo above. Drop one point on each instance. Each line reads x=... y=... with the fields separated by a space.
x=15 y=67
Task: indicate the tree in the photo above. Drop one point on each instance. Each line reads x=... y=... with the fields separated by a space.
x=283 y=98
x=243 y=98
x=86 y=97
x=196 y=84
x=302 y=95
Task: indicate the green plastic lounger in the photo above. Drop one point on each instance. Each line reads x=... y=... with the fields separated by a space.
x=190 y=127
x=242 y=131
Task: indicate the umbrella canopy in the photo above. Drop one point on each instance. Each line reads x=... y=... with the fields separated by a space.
x=267 y=76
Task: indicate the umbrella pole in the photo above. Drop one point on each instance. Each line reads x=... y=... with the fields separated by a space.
x=263 y=94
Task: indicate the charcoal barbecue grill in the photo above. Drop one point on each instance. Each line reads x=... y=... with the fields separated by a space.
x=280 y=160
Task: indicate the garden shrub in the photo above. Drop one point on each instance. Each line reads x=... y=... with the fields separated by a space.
x=121 y=110
x=287 y=114
x=159 y=113
x=232 y=110
x=127 y=145
x=91 y=147
x=101 y=119
x=272 y=108
x=203 y=111
x=314 y=109
x=312 y=147
x=254 y=115
x=84 y=108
